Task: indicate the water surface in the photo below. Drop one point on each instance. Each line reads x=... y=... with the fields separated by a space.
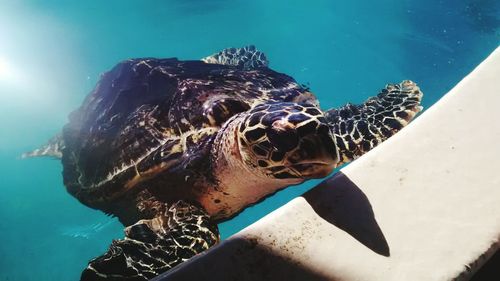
x=52 y=53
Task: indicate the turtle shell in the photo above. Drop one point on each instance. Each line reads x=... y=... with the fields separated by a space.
x=150 y=117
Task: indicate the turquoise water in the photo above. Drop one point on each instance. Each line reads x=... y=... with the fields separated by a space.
x=52 y=52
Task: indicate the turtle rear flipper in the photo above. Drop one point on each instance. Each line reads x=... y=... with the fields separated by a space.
x=53 y=148
x=359 y=128
x=247 y=57
x=153 y=246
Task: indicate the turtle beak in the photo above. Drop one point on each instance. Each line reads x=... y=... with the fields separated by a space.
x=313 y=170
x=315 y=157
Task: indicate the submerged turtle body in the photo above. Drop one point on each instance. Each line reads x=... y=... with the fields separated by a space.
x=150 y=124
x=173 y=147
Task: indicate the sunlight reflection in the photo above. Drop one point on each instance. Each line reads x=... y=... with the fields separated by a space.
x=5 y=69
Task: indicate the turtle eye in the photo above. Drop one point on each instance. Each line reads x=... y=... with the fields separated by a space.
x=283 y=136
x=283 y=141
x=219 y=111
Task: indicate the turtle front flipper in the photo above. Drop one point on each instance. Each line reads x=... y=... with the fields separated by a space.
x=359 y=128
x=153 y=246
x=247 y=57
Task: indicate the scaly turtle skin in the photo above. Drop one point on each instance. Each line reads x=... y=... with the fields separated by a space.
x=173 y=147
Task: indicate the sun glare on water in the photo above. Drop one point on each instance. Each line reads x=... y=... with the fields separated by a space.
x=4 y=69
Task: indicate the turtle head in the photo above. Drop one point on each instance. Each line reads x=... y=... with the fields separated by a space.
x=287 y=141
x=265 y=149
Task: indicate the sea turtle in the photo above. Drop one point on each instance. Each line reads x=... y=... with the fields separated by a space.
x=173 y=147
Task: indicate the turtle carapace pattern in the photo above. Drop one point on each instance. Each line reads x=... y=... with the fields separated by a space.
x=174 y=147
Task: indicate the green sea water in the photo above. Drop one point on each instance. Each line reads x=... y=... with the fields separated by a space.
x=52 y=53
